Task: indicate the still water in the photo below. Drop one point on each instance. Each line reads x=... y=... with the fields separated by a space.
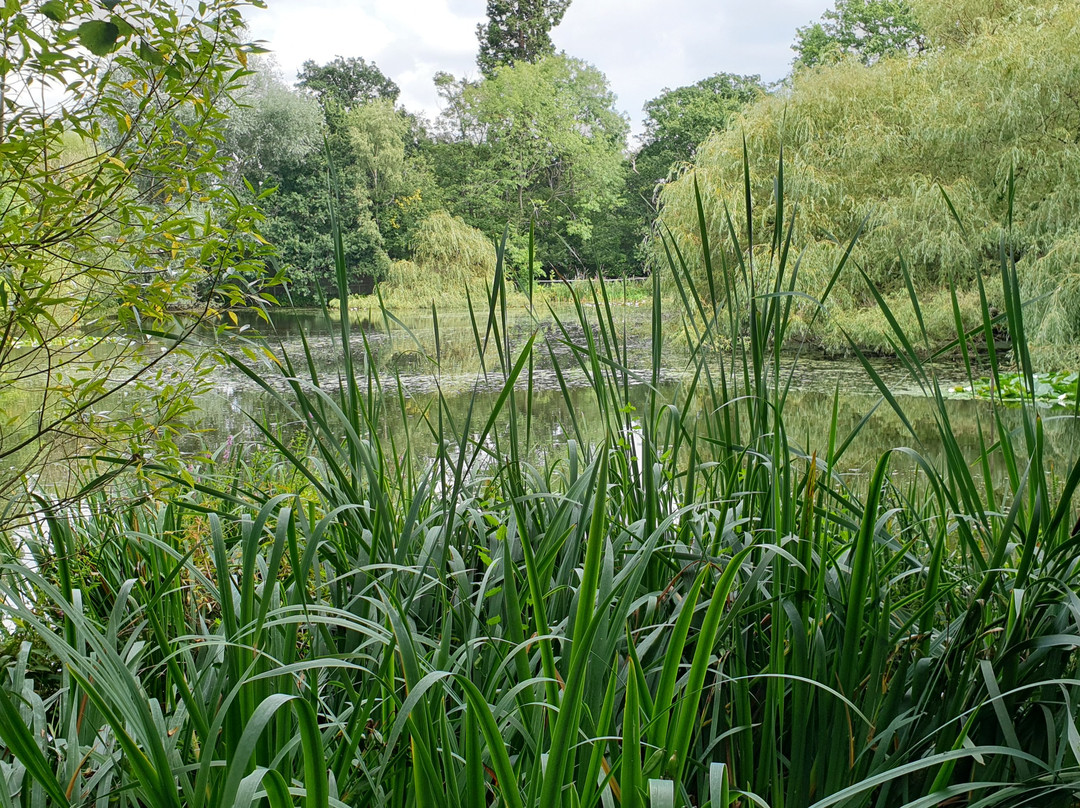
x=444 y=357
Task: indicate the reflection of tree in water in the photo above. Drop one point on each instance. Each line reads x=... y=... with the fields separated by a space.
x=459 y=380
x=808 y=413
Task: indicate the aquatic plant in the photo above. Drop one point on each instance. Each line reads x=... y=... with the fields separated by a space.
x=694 y=610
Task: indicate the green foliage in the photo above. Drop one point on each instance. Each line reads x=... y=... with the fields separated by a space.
x=535 y=143
x=377 y=132
x=445 y=244
x=676 y=122
x=347 y=82
x=1055 y=389
x=297 y=218
x=685 y=608
x=948 y=22
x=869 y=329
x=114 y=213
x=517 y=31
x=865 y=29
x=391 y=165
x=1051 y=281
x=890 y=147
x=271 y=129
x=448 y=258
x=278 y=138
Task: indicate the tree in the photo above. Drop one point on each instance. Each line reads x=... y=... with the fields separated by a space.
x=271 y=127
x=276 y=137
x=447 y=256
x=114 y=211
x=865 y=29
x=279 y=138
x=538 y=143
x=387 y=144
x=676 y=123
x=517 y=30
x=347 y=82
x=876 y=146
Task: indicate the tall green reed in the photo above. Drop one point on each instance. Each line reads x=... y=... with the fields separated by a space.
x=689 y=610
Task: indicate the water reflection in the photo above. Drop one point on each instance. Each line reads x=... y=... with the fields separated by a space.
x=459 y=366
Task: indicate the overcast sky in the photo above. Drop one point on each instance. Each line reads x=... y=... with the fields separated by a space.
x=642 y=46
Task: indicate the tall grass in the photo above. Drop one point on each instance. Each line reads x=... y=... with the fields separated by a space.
x=692 y=611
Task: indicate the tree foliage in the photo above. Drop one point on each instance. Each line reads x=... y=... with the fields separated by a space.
x=676 y=122
x=393 y=171
x=113 y=207
x=864 y=29
x=536 y=143
x=448 y=256
x=270 y=128
x=280 y=139
x=883 y=145
x=347 y=82
x=517 y=30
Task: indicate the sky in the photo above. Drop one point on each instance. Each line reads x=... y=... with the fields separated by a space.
x=643 y=46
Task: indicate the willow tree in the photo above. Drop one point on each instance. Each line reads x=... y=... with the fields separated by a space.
x=996 y=94
x=448 y=257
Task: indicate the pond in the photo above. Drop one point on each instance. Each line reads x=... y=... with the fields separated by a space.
x=432 y=358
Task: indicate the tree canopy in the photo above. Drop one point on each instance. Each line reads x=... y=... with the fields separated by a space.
x=270 y=128
x=538 y=142
x=517 y=30
x=864 y=29
x=347 y=82
x=676 y=121
x=885 y=144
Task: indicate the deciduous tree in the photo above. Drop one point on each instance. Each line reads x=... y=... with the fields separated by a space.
x=113 y=209
x=347 y=82
x=865 y=29
x=676 y=123
x=539 y=142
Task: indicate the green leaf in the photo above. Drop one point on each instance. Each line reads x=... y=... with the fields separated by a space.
x=148 y=53
x=631 y=744
x=123 y=26
x=55 y=10
x=18 y=739
x=99 y=37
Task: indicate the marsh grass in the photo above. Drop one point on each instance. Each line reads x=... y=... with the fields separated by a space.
x=690 y=611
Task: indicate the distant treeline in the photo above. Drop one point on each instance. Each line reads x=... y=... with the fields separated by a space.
x=535 y=143
x=903 y=121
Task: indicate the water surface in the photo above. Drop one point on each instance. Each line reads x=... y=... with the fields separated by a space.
x=430 y=358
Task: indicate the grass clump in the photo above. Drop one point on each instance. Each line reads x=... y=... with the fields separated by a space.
x=689 y=611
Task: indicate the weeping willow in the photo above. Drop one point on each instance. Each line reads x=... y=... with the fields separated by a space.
x=887 y=148
x=447 y=256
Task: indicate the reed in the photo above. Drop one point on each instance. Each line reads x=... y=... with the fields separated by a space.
x=691 y=611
